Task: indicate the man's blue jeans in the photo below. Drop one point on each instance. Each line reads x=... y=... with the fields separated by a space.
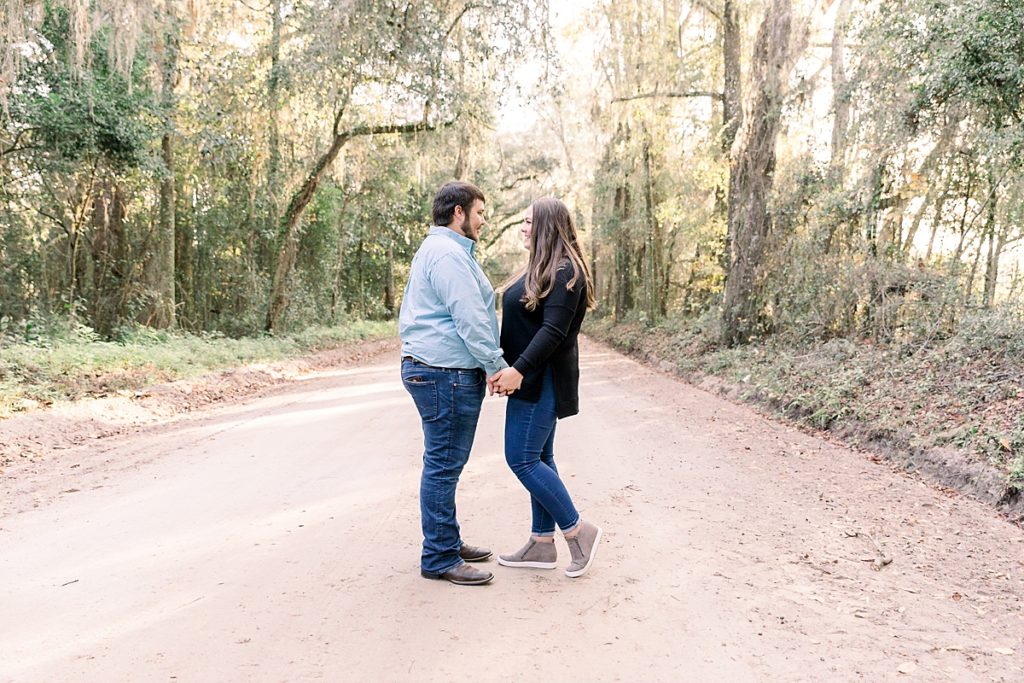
x=529 y=451
x=448 y=402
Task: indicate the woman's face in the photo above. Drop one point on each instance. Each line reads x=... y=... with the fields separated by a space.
x=527 y=228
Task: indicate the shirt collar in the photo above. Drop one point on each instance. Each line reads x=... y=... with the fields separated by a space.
x=467 y=244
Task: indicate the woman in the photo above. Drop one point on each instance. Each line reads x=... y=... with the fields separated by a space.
x=543 y=307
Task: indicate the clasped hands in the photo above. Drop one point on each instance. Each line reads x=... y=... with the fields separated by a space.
x=504 y=382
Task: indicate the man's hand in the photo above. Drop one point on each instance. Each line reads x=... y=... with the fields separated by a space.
x=505 y=382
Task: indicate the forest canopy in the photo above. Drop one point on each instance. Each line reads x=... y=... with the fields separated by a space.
x=828 y=168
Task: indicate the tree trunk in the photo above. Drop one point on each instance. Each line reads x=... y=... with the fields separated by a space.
x=873 y=209
x=654 y=240
x=623 y=254
x=732 y=114
x=752 y=176
x=462 y=159
x=994 y=249
x=732 y=101
x=339 y=277
x=184 y=260
x=273 y=181
x=109 y=254
x=840 y=95
x=915 y=225
x=162 y=314
x=968 y=291
x=940 y=205
x=890 y=237
x=389 y=285
x=300 y=200
x=962 y=245
x=933 y=159
x=359 y=279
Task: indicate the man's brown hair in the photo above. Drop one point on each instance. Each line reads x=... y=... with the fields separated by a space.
x=454 y=193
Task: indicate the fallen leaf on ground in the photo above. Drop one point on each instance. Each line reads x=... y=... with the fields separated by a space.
x=1004 y=650
x=907 y=668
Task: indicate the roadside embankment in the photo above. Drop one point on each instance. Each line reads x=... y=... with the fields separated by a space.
x=58 y=394
x=951 y=410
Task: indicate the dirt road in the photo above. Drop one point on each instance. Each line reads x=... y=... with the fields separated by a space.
x=277 y=540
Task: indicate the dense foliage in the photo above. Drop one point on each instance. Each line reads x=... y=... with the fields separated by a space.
x=224 y=167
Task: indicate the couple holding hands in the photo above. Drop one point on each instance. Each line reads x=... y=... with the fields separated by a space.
x=452 y=355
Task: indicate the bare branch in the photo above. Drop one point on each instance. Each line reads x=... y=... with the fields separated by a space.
x=258 y=10
x=707 y=7
x=520 y=179
x=458 y=18
x=14 y=145
x=495 y=236
x=56 y=221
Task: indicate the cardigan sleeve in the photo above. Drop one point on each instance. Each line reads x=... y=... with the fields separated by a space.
x=560 y=308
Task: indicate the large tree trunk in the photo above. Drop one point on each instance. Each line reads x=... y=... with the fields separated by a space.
x=162 y=265
x=752 y=176
x=300 y=200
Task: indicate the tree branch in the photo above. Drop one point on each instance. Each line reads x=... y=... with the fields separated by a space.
x=707 y=7
x=458 y=18
x=393 y=128
x=257 y=10
x=57 y=221
x=14 y=145
x=692 y=93
x=515 y=181
x=301 y=198
x=495 y=236
x=341 y=112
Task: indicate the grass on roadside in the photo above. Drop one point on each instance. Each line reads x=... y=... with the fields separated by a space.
x=965 y=392
x=76 y=363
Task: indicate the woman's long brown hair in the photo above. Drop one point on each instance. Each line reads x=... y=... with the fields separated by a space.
x=553 y=241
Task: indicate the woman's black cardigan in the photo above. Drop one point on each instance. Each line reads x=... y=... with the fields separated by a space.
x=546 y=336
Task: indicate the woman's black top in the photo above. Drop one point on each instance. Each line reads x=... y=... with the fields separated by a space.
x=546 y=337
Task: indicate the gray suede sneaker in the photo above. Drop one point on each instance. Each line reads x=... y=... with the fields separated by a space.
x=533 y=554
x=583 y=548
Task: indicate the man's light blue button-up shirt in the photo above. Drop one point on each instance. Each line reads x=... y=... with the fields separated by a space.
x=447 y=317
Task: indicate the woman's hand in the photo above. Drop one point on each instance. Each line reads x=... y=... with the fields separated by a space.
x=505 y=382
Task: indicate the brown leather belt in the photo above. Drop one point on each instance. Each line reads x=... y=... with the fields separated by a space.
x=435 y=367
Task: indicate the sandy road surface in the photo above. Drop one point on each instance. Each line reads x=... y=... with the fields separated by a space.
x=277 y=540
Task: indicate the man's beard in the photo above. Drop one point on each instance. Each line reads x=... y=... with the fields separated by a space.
x=466 y=229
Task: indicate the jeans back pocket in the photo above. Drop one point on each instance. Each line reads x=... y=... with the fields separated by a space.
x=424 y=395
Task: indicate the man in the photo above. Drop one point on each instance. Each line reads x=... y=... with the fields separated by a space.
x=449 y=332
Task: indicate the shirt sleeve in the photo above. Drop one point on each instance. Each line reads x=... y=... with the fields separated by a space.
x=560 y=308
x=455 y=282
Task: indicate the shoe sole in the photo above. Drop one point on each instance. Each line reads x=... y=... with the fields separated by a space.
x=479 y=558
x=457 y=582
x=526 y=565
x=593 y=554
